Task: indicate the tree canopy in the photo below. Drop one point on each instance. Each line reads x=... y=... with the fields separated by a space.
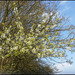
x=29 y=31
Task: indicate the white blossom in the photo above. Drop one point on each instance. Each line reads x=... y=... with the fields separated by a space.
x=3 y=35
x=8 y=39
x=15 y=9
x=21 y=37
x=43 y=39
x=18 y=17
x=29 y=38
x=8 y=31
x=15 y=48
x=39 y=25
x=0 y=48
x=36 y=59
x=51 y=13
x=34 y=50
x=47 y=28
x=30 y=46
x=29 y=42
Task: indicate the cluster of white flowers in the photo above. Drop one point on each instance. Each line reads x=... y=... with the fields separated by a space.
x=22 y=50
x=36 y=35
x=29 y=42
x=8 y=31
x=39 y=25
x=51 y=13
x=0 y=48
x=3 y=35
x=34 y=50
x=18 y=17
x=38 y=54
x=27 y=50
x=19 y=25
x=30 y=46
x=37 y=30
x=29 y=38
x=36 y=59
x=44 y=20
x=22 y=38
x=3 y=43
x=15 y=48
x=15 y=10
x=43 y=39
x=46 y=28
x=8 y=39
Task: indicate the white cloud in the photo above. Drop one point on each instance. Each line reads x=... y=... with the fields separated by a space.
x=62 y=2
x=63 y=66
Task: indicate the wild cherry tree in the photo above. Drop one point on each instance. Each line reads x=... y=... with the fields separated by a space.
x=28 y=33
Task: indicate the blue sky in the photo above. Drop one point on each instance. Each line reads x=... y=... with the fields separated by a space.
x=67 y=9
